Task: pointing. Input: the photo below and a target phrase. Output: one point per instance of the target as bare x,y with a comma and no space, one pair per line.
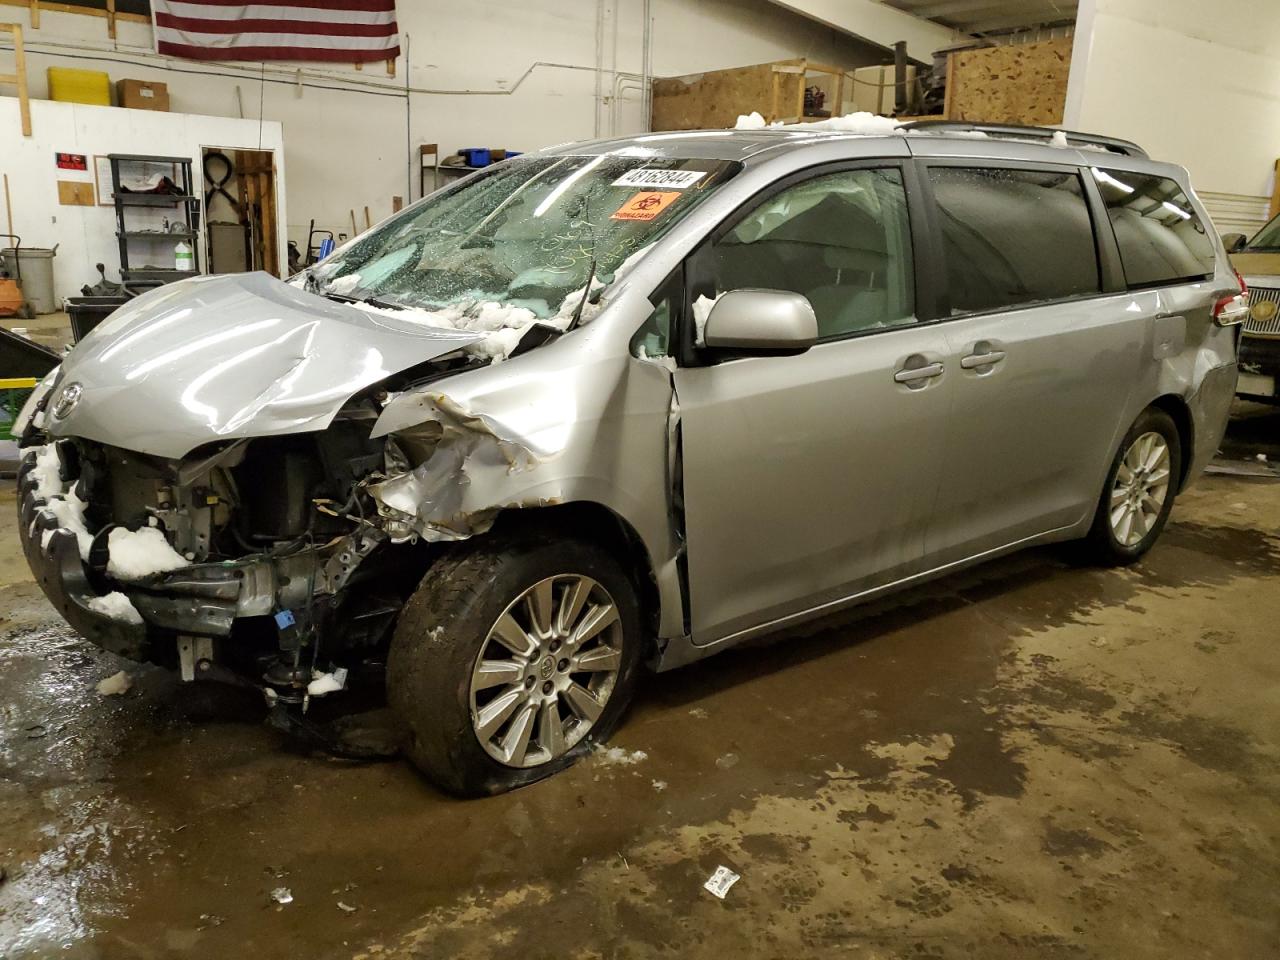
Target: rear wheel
511,660
1139,492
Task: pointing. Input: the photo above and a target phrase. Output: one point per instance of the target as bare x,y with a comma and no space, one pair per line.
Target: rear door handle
915,374
981,359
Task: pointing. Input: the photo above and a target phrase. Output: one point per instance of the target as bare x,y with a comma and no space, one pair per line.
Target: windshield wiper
586,292
371,301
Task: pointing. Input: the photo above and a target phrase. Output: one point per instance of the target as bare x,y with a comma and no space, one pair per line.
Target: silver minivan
628,403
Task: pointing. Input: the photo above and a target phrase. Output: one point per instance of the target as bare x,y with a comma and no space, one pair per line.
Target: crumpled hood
223,357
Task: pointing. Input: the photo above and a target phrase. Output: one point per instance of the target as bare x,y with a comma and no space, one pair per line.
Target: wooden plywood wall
717,98
1019,83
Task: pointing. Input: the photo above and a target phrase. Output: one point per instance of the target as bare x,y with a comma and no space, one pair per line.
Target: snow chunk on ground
115,685
134,554
750,121
617,757
116,606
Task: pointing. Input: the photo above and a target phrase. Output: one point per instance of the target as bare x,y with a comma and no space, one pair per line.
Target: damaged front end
246,481
250,558
195,482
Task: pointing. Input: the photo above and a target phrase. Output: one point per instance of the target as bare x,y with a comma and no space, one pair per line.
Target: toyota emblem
67,400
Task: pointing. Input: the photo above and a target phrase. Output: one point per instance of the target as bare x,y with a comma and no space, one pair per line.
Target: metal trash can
34,266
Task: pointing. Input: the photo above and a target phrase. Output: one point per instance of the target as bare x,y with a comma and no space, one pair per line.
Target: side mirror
761,321
1234,242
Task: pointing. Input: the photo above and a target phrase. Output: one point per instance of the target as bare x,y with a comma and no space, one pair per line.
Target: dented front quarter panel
577,420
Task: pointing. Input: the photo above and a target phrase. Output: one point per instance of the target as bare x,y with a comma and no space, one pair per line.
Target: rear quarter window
1161,237
1014,237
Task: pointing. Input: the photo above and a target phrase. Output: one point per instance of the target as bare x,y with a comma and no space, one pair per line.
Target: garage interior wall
489,73
86,235
1196,86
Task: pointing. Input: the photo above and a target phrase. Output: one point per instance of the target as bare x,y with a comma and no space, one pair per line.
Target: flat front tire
511,659
1139,493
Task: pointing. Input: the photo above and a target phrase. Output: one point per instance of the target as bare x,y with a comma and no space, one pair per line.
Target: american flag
346,31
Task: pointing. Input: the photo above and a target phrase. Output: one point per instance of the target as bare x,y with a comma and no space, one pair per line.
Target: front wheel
1139,492
511,659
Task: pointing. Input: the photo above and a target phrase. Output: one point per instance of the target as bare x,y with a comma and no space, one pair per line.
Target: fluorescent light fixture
1175,209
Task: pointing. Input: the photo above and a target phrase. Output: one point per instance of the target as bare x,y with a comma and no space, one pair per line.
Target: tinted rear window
1160,235
1014,237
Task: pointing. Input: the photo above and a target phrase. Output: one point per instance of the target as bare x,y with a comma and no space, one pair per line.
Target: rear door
810,477
1045,348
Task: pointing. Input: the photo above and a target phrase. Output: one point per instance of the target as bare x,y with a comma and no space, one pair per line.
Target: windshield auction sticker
654,177
646,205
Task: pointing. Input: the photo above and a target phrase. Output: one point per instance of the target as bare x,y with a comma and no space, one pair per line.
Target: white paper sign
654,177
720,881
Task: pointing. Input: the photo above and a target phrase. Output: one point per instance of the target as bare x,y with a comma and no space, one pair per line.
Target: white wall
86,235
1194,83
498,73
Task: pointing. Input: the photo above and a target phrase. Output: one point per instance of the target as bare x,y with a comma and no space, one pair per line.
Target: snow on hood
500,326
224,357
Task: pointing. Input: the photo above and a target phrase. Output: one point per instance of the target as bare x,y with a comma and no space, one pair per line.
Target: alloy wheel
1140,489
546,670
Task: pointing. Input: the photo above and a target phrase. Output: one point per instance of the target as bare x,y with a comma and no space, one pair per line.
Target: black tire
1101,545
440,634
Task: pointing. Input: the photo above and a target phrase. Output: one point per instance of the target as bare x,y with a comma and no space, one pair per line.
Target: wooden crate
1022,83
715,99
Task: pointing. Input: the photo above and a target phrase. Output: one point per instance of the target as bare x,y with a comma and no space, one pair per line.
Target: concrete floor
52,330
1031,760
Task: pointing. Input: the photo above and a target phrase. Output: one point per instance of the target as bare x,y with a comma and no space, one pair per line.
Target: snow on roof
860,123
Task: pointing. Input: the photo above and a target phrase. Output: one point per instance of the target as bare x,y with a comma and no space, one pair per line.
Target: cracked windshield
527,236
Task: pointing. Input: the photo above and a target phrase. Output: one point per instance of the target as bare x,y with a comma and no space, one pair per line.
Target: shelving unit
185,204
435,168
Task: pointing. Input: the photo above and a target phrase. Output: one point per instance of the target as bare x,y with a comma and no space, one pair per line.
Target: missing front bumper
200,600
56,565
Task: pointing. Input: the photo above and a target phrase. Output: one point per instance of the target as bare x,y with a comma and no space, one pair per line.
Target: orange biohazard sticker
646,205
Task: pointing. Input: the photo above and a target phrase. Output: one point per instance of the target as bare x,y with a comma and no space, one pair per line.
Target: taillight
1233,309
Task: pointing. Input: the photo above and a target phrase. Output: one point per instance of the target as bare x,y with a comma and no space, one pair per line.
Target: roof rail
1017,131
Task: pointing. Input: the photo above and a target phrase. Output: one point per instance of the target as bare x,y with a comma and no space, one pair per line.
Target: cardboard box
142,95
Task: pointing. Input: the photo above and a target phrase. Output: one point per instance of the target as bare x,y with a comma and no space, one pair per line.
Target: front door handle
981,359
915,374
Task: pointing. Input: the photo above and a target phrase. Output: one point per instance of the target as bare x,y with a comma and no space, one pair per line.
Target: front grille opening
1269,327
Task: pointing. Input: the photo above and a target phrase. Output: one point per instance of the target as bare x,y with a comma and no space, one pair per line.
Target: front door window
841,239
